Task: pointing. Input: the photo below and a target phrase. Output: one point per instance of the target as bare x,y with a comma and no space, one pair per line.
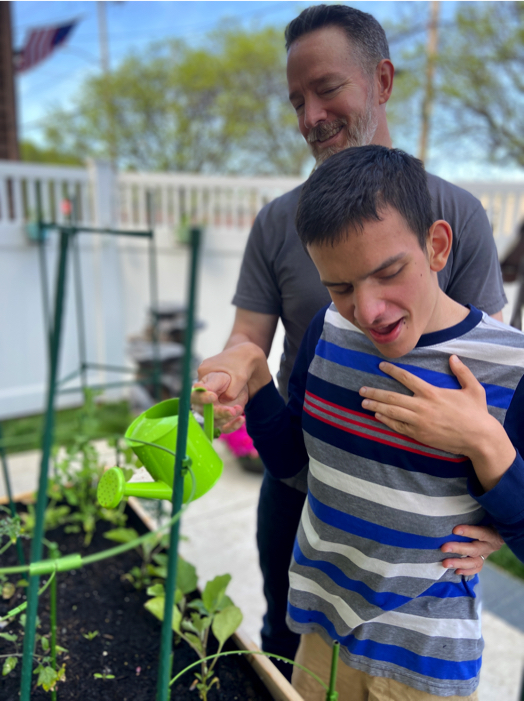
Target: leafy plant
150,552
11,527
193,620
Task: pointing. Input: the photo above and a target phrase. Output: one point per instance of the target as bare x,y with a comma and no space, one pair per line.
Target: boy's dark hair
354,186
362,30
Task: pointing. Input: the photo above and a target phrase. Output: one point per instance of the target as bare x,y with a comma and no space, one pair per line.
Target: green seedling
11,528
193,620
154,562
91,635
103,675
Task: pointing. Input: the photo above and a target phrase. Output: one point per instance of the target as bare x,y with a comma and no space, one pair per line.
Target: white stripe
432,571
487,352
335,319
411,502
455,628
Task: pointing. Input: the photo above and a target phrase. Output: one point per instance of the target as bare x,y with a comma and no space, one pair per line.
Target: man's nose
314,112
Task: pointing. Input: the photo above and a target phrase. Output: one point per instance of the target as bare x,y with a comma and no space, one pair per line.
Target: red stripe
384,442
365,416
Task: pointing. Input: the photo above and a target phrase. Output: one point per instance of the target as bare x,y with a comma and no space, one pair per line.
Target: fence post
109,347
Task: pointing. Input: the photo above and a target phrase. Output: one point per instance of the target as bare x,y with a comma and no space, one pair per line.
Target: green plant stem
251,652
22,607
54,553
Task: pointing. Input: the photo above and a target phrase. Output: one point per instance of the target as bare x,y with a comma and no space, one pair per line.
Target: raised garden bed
126,643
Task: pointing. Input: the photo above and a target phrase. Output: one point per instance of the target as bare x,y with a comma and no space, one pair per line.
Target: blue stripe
380,534
495,395
386,601
426,666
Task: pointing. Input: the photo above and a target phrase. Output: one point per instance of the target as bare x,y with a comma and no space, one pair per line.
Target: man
340,79
391,470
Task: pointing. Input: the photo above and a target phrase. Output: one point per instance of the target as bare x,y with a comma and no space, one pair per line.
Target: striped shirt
366,567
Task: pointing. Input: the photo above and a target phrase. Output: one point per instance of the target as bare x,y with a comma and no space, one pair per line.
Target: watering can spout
153,437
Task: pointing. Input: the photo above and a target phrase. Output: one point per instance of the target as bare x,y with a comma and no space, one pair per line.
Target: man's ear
384,80
440,238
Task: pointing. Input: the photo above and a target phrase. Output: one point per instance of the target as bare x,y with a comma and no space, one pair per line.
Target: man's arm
458,422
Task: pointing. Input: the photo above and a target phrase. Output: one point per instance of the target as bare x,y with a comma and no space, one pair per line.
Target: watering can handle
209,421
209,417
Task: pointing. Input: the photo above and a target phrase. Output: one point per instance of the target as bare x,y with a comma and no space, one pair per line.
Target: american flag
40,43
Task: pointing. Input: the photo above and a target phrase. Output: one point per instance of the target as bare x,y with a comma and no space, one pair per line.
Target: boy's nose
368,309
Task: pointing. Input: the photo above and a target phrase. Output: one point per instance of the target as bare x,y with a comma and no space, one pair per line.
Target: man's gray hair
363,31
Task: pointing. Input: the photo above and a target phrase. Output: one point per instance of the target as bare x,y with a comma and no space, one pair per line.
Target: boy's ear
440,238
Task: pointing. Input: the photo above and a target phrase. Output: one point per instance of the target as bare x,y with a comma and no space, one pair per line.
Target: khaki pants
352,684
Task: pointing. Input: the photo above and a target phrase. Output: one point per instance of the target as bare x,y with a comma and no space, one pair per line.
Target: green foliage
98,675
90,635
11,528
48,678
9,665
25,433
149,550
193,620
482,69
220,107
33,153
510,562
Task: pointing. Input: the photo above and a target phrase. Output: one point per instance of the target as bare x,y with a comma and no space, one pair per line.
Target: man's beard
360,131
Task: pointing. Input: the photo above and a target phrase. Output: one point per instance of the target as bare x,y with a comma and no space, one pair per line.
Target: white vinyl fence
115,270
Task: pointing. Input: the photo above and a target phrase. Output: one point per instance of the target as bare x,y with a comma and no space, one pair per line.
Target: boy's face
383,282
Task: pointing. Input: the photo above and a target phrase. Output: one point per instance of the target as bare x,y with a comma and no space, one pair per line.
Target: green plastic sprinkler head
153,437
113,487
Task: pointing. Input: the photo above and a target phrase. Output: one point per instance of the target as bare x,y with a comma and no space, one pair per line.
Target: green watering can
159,425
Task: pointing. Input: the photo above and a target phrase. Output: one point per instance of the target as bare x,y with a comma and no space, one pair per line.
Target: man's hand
487,541
455,421
230,379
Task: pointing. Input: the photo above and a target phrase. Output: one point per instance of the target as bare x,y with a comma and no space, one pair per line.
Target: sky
133,25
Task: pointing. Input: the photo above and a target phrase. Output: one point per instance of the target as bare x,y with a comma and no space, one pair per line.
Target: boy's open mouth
387,333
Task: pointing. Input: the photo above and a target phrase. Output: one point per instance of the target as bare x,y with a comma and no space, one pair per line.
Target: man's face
382,282
333,98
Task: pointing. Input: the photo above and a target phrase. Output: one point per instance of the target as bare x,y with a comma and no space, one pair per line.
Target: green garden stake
158,426
331,694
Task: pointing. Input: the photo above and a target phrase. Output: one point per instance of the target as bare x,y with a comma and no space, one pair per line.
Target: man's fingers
216,382
467,566
487,537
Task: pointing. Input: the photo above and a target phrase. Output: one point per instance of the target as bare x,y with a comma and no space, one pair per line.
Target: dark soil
128,641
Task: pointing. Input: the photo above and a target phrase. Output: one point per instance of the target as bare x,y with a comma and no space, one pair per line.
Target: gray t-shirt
278,277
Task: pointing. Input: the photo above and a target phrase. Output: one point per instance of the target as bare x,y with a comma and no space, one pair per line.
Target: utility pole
104,61
102,34
8,128
429,92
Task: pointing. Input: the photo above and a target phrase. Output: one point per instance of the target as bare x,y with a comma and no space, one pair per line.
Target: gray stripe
402,521
385,475
402,586
371,548
454,649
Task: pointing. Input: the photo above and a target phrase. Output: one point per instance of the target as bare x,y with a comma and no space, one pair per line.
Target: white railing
216,202
24,185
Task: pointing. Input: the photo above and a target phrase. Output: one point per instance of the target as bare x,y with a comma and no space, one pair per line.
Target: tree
221,107
482,77
33,153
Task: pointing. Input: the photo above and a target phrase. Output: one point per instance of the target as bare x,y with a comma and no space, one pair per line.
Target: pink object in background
239,443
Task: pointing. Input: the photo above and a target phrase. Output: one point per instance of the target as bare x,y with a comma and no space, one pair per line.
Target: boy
393,467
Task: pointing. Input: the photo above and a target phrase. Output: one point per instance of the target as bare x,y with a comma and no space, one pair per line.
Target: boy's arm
459,422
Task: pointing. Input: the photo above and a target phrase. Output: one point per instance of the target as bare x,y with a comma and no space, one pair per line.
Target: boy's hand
456,421
228,417
487,541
